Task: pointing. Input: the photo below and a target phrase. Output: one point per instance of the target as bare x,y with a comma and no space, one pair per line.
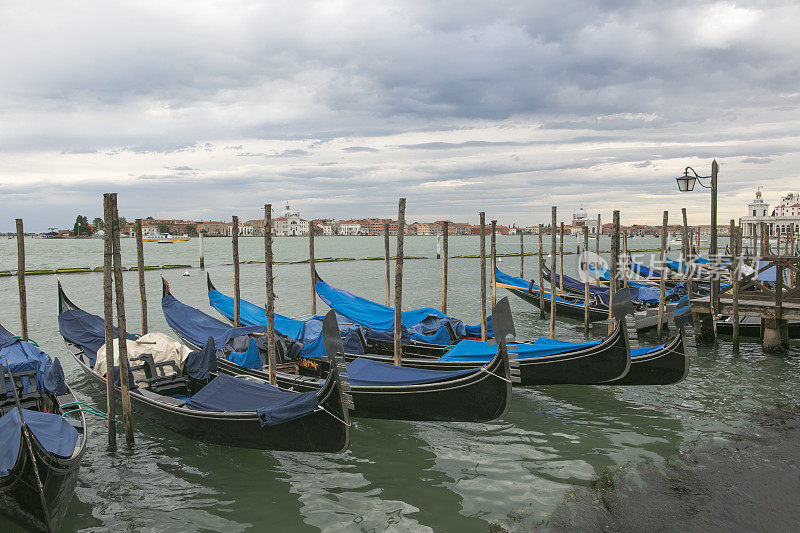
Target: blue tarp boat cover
253,315
55,434
644,271
425,324
469,350
522,284
251,358
368,373
196,326
20,356
200,364
274,406
645,351
85,330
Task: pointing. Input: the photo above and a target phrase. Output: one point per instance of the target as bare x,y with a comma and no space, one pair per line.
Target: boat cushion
369,373
274,406
162,347
54,433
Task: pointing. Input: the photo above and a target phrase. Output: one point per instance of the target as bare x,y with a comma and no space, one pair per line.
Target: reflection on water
396,476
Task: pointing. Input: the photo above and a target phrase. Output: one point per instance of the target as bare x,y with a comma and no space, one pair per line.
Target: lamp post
686,184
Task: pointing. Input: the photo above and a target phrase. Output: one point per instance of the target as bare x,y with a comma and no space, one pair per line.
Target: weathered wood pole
540,259
624,262
597,251
140,273
521,254
493,262
270,286
23,298
586,281
398,282
445,233
662,284
484,325
312,268
202,253
736,266
561,258
108,317
553,230
237,302
387,262
613,264
122,338
686,244
712,242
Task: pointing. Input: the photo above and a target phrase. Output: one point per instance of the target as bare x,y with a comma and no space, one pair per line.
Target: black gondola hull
664,367
315,432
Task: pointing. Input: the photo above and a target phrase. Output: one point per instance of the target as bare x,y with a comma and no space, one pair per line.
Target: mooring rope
83,408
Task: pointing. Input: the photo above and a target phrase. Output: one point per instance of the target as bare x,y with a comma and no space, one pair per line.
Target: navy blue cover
200,364
273,405
55,434
85,330
20,356
368,373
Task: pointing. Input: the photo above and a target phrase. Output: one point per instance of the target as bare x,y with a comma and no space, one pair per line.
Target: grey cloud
757,160
354,149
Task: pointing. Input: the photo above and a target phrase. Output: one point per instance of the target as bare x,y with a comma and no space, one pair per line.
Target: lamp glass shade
686,183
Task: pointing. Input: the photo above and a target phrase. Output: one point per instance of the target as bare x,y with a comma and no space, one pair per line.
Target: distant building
785,216
212,228
581,219
289,224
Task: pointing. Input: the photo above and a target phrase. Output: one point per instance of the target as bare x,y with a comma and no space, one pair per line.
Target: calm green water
396,476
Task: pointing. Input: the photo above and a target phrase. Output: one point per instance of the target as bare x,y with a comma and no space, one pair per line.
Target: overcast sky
209,109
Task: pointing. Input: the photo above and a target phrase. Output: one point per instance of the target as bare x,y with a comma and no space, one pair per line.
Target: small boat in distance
166,238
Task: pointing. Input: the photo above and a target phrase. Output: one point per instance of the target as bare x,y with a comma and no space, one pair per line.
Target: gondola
750,326
38,418
566,306
479,393
543,362
218,407
372,340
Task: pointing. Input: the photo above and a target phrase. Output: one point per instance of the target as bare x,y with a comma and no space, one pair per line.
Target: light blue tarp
645,351
367,373
55,434
506,279
253,315
470,350
424,324
20,356
248,359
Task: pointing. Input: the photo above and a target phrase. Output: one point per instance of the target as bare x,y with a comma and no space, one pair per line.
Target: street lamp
686,184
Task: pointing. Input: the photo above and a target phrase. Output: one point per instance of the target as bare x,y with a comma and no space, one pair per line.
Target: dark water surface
396,476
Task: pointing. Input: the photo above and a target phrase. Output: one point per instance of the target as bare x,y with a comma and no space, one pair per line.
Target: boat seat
28,400
156,378
363,338
451,331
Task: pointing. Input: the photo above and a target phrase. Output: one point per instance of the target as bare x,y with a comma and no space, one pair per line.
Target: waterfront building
348,227
289,224
779,220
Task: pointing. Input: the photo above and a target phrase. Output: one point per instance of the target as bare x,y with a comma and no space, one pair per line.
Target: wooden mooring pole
662,284
493,262
237,302
23,298
553,230
122,337
202,253
585,269
272,357
736,268
398,282
613,264
140,273
387,264
445,233
597,251
540,258
108,318
561,258
521,254
624,262
312,268
484,325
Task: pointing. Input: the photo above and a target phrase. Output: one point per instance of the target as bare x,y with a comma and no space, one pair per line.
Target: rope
320,408
483,369
83,408
29,340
